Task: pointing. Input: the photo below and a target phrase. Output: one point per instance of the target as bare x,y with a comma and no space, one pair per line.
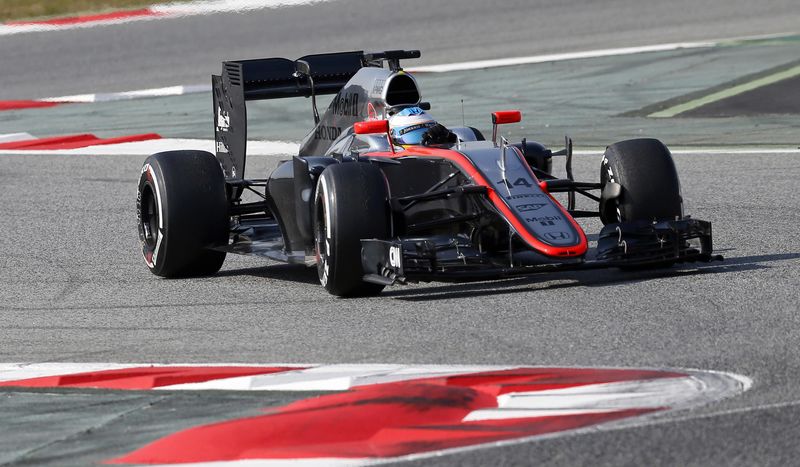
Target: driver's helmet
408,125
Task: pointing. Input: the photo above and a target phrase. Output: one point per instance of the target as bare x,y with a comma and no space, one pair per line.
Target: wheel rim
320,241
605,177
149,218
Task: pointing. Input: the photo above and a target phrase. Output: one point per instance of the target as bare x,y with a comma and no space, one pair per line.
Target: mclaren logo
529,207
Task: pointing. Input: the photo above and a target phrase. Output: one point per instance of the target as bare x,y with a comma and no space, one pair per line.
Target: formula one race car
370,212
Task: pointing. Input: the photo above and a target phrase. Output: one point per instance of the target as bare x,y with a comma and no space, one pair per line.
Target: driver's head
408,125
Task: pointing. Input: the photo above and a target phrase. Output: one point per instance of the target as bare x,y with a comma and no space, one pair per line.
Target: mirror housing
502,117
371,127
506,116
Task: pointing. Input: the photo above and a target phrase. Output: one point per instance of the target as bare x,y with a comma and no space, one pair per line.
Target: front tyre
351,205
646,173
181,210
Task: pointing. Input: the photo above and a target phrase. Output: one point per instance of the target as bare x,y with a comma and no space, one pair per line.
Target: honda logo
557,235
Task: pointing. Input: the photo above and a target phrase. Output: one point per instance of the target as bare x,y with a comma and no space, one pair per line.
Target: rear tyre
182,209
351,204
650,187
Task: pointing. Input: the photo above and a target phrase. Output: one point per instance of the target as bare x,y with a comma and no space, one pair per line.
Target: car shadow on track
593,278
285,272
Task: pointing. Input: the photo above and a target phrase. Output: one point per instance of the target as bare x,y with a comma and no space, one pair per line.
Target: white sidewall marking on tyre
159,234
139,218
325,266
322,187
327,207
607,165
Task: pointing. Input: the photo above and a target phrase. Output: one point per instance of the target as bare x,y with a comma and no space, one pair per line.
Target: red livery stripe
465,165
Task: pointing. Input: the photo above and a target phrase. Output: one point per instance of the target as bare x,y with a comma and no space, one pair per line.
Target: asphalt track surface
75,289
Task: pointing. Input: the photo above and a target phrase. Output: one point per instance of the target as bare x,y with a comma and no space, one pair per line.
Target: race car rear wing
276,78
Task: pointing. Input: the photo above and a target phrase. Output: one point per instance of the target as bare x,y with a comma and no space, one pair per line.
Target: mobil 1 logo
545,220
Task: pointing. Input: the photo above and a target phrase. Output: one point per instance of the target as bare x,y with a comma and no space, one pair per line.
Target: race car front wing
451,259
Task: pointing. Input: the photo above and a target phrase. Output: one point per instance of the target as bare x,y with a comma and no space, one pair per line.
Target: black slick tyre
182,209
646,173
350,205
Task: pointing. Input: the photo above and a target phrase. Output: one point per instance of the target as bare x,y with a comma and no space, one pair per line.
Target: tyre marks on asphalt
381,412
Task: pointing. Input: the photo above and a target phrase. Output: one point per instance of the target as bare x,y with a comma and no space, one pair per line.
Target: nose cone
538,219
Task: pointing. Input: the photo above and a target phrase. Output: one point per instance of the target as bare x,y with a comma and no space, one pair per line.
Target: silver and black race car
370,213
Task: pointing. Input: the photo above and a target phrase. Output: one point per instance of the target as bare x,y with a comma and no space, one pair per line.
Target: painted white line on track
225,6
558,57
500,62
144,148
11,137
246,5
127,95
9,30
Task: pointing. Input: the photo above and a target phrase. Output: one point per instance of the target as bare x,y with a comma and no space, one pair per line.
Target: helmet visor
412,134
